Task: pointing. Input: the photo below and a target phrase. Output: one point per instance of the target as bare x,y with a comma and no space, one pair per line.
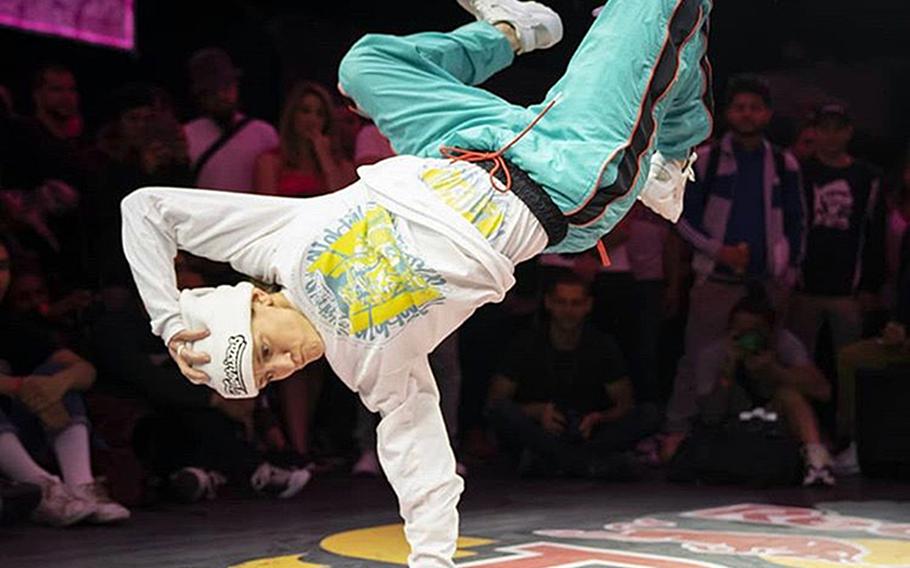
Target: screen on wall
101,22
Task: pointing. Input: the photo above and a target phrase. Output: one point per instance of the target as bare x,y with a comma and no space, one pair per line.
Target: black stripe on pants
682,27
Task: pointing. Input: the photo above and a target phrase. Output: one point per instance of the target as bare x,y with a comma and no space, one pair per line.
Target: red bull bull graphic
783,516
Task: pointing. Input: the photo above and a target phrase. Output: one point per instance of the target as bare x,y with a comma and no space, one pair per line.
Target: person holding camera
563,399
757,365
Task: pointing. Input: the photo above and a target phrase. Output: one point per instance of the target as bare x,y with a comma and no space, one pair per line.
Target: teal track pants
639,82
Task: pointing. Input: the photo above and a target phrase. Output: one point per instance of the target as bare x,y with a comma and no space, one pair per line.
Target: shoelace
689,167
456,154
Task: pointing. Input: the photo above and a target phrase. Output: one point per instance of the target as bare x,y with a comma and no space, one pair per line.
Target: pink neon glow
102,22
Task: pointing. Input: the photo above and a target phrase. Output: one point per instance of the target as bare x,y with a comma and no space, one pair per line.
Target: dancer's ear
262,298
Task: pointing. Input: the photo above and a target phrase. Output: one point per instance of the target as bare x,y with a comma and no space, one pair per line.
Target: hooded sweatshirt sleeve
241,229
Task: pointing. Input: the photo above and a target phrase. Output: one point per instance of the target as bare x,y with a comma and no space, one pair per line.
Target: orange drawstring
461,154
602,251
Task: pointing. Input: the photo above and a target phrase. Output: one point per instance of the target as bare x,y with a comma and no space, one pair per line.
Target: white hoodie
385,269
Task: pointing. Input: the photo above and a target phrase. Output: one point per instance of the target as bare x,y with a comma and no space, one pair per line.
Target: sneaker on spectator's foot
665,187
818,466
536,25
192,484
278,481
105,509
819,476
367,465
59,507
847,462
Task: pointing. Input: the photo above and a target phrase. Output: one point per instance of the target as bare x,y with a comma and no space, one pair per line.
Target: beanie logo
233,370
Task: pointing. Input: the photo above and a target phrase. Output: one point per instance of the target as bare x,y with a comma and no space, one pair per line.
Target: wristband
17,384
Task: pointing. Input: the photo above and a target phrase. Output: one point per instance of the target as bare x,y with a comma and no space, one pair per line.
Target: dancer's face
284,340
747,114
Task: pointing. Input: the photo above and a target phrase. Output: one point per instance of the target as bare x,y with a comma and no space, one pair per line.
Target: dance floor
506,523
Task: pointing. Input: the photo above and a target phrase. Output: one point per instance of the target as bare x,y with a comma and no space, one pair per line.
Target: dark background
811,50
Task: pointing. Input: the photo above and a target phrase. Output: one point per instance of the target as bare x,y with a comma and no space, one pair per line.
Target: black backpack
755,453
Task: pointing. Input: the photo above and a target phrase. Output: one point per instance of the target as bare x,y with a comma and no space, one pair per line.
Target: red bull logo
810,539
800,517
758,544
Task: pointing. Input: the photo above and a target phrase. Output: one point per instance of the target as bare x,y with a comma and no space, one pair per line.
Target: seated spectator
309,160
759,365
41,408
892,348
30,299
179,432
563,397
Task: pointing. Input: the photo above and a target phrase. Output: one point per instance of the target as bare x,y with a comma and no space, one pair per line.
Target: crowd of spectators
584,370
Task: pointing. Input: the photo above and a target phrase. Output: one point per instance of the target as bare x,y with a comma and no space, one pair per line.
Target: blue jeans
16,418
639,82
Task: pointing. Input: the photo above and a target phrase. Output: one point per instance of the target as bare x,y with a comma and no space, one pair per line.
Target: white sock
16,463
73,455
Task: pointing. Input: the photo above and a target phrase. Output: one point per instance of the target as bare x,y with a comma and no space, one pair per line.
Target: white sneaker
819,476
818,466
191,484
278,481
847,462
666,185
105,509
59,506
367,465
537,26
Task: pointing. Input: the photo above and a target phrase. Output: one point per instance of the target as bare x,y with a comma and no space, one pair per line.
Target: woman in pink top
309,161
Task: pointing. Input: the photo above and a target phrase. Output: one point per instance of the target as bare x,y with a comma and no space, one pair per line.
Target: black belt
552,220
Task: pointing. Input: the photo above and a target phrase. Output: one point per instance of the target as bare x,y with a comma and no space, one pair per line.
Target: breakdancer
374,276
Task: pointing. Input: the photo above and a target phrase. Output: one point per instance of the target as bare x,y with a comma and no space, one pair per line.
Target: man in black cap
843,267
223,143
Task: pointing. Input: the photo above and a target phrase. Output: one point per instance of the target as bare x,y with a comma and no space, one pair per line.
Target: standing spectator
898,220
142,145
806,141
843,269
744,216
54,142
41,408
223,143
655,267
756,365
310,160
563,396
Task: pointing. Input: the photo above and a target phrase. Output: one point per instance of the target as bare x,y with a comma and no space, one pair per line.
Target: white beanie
226,311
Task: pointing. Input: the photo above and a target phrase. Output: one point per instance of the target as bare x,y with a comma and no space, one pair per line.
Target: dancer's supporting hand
186,358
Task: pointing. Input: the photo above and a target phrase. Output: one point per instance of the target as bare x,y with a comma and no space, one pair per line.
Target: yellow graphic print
476,206
366,285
